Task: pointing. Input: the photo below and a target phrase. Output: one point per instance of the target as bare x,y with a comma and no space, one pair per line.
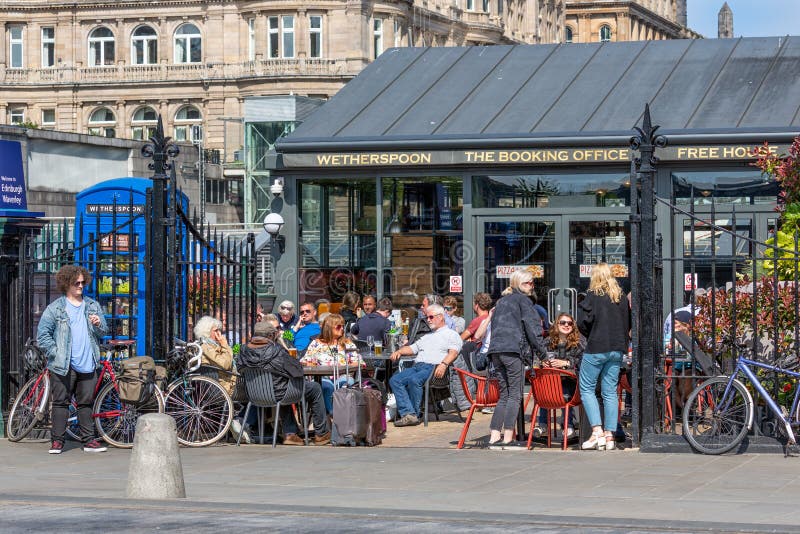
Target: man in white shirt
434,353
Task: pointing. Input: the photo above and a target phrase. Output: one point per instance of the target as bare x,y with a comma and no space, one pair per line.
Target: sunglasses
287,308
528,283
449,308
303,312
431,317
338,327
566,323
79,283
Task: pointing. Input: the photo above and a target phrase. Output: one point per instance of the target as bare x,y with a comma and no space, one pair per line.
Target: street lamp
272,225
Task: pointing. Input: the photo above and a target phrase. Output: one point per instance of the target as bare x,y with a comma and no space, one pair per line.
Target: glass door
559,250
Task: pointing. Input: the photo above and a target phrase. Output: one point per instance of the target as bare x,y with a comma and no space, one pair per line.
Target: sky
751,18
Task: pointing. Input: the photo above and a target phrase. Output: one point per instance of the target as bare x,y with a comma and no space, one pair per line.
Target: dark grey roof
529,91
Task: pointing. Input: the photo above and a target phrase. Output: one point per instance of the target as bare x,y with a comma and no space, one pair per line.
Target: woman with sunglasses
567,344
604,318
331,348
515,324
450,308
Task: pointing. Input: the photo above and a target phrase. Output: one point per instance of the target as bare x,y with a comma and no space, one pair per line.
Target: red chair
487,393
548,394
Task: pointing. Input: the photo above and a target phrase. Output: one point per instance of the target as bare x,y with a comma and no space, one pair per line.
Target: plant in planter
206,293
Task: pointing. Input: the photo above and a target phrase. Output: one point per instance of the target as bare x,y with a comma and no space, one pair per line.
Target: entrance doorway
559,250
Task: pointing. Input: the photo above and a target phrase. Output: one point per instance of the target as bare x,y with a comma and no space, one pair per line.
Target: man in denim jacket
69,334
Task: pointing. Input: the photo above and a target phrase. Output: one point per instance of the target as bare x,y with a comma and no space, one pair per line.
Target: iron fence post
161,150
644,325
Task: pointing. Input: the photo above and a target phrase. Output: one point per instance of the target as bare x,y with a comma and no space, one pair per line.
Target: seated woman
216,351
331,348
451,308
566,344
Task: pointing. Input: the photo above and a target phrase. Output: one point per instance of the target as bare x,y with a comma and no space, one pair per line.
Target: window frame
147,41
251,39
188,38
605,27
48,45
569,34
485,6
315,33
398,29
102,44
273,37
287,33
102,127
470,5
146,127
16,111
377,37
182,127
19,43
48,123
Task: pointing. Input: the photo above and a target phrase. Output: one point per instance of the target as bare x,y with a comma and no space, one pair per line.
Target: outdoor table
317,372
386,357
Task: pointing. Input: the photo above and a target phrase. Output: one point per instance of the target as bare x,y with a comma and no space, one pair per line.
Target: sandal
597,441
611,442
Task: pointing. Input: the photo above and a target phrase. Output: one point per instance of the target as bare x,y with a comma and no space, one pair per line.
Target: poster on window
505,271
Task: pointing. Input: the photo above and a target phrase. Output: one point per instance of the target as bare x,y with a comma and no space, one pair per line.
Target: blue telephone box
110,241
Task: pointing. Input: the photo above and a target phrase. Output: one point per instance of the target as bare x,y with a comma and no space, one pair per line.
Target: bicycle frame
743,366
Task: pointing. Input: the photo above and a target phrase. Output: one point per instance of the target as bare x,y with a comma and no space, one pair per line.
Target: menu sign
505,271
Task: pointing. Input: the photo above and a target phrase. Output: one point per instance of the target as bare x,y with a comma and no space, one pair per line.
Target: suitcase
350,416
376,422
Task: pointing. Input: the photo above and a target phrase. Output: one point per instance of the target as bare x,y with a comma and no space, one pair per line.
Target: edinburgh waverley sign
535,156
12,179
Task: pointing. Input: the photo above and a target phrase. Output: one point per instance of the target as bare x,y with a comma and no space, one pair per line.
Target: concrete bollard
155,470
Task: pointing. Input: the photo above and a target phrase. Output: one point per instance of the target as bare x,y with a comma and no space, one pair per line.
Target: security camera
277,187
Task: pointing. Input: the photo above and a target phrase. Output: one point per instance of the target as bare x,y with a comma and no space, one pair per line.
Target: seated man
306,327
373,323
264,351
434,353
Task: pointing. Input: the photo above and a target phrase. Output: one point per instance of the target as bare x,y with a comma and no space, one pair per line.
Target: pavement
415,482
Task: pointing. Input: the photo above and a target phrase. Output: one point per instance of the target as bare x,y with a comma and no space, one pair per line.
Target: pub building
471,162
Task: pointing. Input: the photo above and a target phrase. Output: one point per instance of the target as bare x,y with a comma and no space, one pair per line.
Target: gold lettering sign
521,156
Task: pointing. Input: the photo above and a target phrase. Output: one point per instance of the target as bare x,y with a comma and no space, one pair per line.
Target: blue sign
12,178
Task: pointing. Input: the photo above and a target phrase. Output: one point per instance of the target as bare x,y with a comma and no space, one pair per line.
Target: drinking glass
378,347
370,343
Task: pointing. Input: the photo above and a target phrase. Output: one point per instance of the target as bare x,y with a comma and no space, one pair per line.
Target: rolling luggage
358,416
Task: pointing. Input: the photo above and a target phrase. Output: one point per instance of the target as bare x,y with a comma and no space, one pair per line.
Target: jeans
510,371
407,387
314,400
602,367
328,388
63,387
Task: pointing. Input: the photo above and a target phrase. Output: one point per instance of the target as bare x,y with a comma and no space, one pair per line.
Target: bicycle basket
176,360
35,360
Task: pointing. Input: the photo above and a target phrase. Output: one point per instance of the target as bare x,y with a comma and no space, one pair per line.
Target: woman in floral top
331,348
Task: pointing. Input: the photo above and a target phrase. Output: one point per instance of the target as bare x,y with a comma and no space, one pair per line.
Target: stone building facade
109,68
590,21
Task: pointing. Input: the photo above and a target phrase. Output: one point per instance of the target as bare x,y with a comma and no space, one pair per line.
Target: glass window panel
592,242
522,245
48,116
729,186
48,47
288,36
315,36
556,190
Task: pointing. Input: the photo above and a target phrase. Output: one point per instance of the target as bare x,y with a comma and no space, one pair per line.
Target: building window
144,123
377,37
605,33
216,191
16,115
15,42
287,31
567,34
315,35
274,38
485,6
188,44
144,46
101,47
251,39
48,47
102,122
188,124
49,117
470,5
499,7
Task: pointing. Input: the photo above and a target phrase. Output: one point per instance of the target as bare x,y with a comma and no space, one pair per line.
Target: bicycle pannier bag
137,381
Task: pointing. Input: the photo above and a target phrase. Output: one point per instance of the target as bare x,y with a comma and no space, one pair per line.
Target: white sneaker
236,430
487,410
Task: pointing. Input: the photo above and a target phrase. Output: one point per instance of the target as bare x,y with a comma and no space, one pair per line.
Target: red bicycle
114,419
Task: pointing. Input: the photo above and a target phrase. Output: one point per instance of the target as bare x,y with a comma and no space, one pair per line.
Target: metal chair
487,393
437,384
548,394
260,387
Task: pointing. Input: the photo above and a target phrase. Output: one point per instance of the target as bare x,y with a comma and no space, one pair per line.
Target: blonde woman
604,319
514,323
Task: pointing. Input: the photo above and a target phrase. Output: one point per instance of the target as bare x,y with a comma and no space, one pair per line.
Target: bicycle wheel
29,407
73,428
116,420
202,410
715,423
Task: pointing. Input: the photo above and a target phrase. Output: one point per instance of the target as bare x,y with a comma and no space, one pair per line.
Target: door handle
551,304
572,294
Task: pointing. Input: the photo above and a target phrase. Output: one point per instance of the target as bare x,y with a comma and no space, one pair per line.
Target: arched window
605,33
567,34
101,47
102,122
144,46
188,44
144,123
188,124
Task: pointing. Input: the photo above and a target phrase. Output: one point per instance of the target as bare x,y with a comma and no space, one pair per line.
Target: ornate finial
646,142
161,149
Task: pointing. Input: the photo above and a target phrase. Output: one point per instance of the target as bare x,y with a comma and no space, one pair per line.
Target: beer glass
378,347
293,352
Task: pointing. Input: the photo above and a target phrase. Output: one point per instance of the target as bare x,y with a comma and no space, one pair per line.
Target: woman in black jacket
604,318
515,324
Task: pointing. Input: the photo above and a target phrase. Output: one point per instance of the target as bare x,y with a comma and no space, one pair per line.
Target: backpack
136,382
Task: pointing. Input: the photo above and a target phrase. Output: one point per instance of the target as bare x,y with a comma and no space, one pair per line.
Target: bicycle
719,412
114,419
202,409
